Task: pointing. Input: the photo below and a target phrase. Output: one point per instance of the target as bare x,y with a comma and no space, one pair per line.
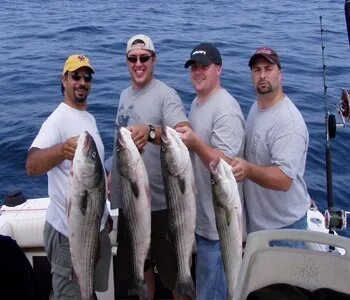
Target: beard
264,90
80,99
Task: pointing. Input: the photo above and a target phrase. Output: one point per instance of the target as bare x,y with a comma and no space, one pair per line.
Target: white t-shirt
64,122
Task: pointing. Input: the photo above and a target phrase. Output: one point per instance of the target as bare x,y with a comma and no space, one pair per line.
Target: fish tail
185,288
139,288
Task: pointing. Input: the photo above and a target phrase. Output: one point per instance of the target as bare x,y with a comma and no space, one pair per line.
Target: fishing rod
347,17
335,219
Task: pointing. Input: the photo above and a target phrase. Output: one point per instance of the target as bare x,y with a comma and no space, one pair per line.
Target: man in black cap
276,147
218,131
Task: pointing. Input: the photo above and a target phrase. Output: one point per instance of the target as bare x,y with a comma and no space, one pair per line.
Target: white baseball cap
146,44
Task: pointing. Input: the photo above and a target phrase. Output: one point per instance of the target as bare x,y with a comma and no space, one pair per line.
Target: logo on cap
264,50
75,62
268,53
199,52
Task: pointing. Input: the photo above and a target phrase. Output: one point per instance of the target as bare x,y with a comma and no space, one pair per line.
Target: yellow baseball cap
76,61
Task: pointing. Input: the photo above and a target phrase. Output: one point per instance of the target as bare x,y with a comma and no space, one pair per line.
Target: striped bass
136,203
85,207
228,217
180,195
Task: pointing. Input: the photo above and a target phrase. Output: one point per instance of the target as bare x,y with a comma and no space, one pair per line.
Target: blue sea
37,36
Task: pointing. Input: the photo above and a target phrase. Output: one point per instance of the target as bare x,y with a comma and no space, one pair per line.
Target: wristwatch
152,133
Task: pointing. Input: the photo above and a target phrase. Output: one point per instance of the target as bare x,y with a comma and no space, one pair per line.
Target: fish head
174,151
220,169
128,154
87,165
222,178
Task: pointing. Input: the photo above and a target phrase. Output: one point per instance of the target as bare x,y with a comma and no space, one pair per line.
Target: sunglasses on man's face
143,58
77,76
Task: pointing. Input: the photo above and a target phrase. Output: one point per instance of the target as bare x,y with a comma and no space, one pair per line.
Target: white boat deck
25,224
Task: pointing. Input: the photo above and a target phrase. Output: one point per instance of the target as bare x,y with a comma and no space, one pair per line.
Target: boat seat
264,265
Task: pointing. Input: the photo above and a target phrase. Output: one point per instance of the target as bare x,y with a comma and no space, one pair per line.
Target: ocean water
37,36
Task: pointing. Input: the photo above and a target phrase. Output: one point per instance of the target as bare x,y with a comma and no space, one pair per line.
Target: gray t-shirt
276,136
220,124
155,104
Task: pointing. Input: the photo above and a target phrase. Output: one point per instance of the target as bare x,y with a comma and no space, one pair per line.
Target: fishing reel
344,112
335,219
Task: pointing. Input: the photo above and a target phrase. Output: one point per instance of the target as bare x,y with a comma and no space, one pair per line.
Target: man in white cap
276,148
52,152
144,108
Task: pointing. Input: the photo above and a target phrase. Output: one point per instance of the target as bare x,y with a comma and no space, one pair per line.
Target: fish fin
83,204
68,206
182,184
139,288
135,189
169,237
74,275
185,288
228,216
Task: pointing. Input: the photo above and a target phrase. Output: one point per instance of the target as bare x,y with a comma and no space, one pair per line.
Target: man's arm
140,133
197,145
40,161
270,177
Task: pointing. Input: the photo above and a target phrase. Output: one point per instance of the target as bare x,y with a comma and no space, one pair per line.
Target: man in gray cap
276,147
221,135
144,108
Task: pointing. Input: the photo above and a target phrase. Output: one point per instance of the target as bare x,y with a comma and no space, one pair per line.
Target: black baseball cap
204,54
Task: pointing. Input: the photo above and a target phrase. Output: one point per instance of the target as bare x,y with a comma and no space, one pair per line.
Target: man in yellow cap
52,152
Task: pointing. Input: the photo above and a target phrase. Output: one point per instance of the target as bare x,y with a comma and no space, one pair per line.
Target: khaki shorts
162,253
58,253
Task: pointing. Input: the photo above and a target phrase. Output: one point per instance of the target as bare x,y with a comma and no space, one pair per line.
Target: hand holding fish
188,136
69,147
139,134
240,168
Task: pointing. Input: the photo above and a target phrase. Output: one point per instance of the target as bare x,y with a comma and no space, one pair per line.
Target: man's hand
240,168
69,147
139,134
188,136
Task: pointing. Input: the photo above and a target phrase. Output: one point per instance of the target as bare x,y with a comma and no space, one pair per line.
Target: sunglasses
77,76
142,58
